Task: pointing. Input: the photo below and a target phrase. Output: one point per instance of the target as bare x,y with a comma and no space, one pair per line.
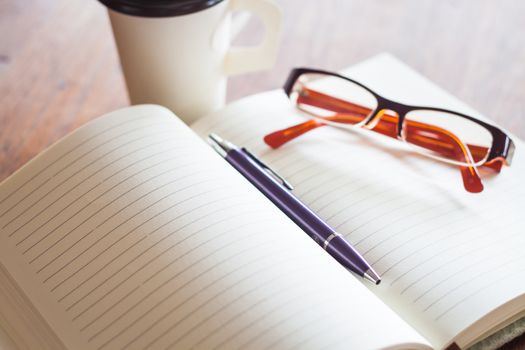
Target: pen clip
269,170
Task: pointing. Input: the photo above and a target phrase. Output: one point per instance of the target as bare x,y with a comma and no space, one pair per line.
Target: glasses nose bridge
389,116
384,106
374,118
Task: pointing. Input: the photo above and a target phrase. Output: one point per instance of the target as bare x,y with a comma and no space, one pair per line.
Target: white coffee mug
177,54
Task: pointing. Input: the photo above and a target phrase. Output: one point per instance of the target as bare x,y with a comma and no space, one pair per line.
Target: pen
278,190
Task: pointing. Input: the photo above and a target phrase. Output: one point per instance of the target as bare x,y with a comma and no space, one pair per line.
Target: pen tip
215,137
372,276
220,145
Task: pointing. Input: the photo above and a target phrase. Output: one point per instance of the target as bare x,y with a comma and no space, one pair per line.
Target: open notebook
131,233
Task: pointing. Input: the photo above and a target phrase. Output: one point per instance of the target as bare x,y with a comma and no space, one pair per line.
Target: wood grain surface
59,67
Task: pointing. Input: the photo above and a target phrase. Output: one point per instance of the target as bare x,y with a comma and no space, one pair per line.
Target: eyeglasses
448,136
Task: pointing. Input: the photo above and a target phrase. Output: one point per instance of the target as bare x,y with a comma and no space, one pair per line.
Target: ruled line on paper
178,258
333,184
68,165
466,243
64,236
164,251
366,209
479,290
286,158
420,223
127,233
171,263
224,323
151,260
167,249
442,281
301,171
94,174
429,245
53,189
67,153
403,218
113,229
346,185
283,303
301,324
195,277
321,330
67,179
107,310
93,289
215,296
81,196
78,241
116,227
376,207
469,279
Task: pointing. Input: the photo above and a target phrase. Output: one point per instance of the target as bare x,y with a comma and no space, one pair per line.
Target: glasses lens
334,100
447,136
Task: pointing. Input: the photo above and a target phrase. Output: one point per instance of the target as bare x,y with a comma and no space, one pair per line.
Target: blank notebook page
132,233
447,257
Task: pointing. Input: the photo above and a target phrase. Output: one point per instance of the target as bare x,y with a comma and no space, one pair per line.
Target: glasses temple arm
446,143
470,175
278,138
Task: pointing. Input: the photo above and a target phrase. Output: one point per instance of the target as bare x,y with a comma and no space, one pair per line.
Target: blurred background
58,60
475,49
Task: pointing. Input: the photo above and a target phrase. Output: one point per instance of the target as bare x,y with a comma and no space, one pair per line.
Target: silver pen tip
372,276
219,144
216,138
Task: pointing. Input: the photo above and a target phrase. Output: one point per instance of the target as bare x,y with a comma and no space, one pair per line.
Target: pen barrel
346,255
298,212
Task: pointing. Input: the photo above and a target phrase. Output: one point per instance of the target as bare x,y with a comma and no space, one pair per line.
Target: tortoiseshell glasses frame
421,126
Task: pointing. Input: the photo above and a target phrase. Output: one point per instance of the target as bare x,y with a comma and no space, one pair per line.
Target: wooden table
59,67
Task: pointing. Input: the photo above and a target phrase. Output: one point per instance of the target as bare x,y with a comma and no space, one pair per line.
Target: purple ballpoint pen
278,190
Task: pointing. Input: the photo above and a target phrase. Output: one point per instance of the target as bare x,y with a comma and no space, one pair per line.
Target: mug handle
246,59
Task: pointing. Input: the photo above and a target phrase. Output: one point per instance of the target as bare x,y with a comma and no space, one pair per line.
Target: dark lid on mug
158,8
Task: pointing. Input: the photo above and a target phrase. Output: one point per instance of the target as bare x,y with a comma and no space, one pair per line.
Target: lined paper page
447,257
133,234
